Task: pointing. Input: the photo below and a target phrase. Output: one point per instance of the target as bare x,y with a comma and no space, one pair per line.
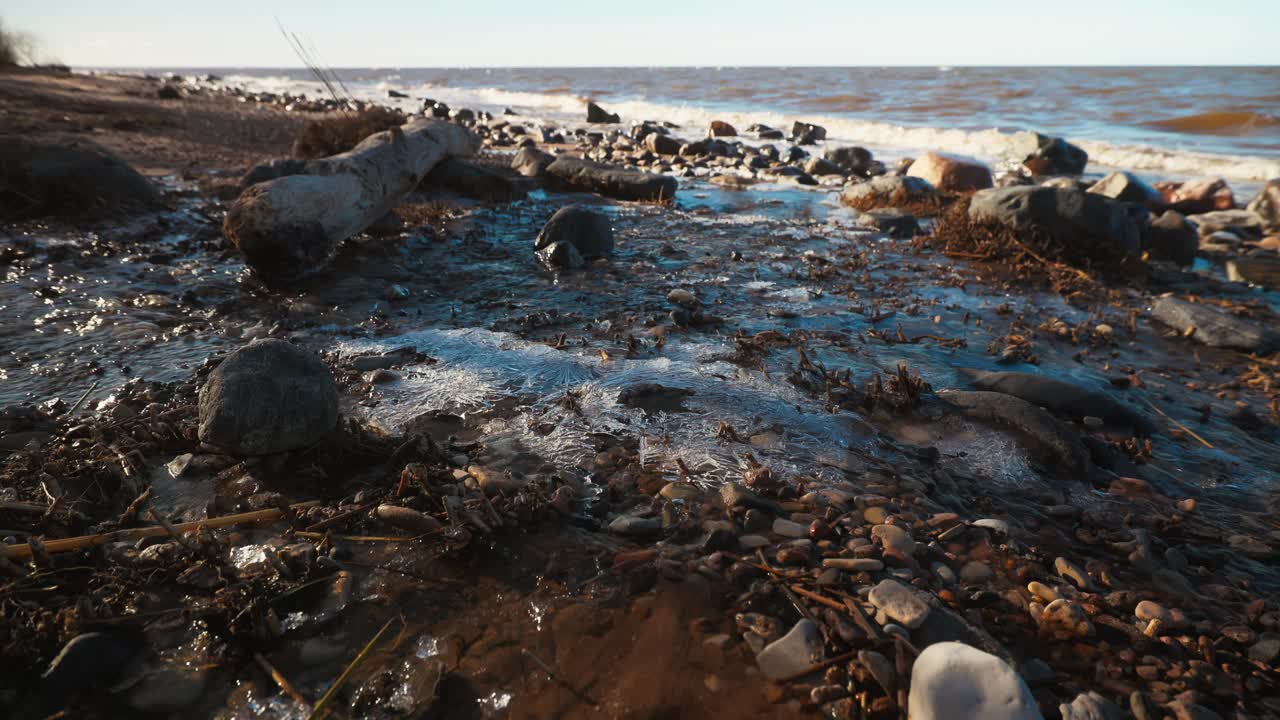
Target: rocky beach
323,407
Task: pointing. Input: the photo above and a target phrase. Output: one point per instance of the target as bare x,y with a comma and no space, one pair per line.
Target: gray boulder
1213,327
586,230
1083,225
894,223
1127,187
76,178
612,181
662,144
268,397
1172,237
1244,224
1052,442
822,166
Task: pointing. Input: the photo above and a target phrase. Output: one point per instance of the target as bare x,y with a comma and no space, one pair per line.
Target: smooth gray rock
612,181
899,603
476,181
1127,187
268,397
1053,442
531,162
1091,706
1213,327
561,255
951,680
793,653
587,230
1266,204
892,222
1084,225
1062,397
853,159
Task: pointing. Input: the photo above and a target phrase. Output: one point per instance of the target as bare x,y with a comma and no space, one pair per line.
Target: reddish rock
1130,487
1197,196
720,128
951,173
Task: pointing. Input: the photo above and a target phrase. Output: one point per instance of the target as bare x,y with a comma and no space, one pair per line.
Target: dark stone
435,109
560,255
169,92
587,230
1127,187
853,159
612,181
271,170
823,166
807,133
396,94
531,162
90,659
1064,398
476,181
597,114
1084,225
662,144
268,397
1213,327
75,178
894,223
1172,237
887,190
1055,156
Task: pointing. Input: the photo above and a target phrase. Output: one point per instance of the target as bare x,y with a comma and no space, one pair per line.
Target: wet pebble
899,603
407,519
854,564
795,652
1068,570
168,690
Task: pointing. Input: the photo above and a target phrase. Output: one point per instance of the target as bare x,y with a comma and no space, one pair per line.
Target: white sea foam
885,139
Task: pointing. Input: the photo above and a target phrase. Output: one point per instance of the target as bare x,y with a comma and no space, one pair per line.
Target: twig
84,397
131,513
22,551
551,674
282,681
318,710
168,526
1181,427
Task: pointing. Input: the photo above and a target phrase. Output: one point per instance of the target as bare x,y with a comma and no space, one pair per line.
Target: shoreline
672,459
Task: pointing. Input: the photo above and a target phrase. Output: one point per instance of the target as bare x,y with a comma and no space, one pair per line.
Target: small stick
1181,427
318,710
282,681
131,513
362,538
819,666
84,397
21,551
551,674
168,526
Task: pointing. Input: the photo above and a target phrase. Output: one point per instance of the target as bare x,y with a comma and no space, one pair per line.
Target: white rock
952,681
793,653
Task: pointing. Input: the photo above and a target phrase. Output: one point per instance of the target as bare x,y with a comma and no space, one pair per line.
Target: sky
543,33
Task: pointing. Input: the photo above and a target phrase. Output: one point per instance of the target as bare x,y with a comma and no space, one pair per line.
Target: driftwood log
292,225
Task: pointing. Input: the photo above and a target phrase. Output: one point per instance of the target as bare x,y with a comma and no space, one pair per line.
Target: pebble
1267,649
894,538
680,296
880,668
1147,611
632,525
999,526
680,491
787,528
494,482
1042,591
1067,617
1069,571
944,573
875,515
854,564
407,519
900,603
793,653
751,542
975,572
1090,706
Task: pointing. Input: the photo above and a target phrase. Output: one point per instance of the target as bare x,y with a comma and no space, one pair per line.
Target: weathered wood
292,225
